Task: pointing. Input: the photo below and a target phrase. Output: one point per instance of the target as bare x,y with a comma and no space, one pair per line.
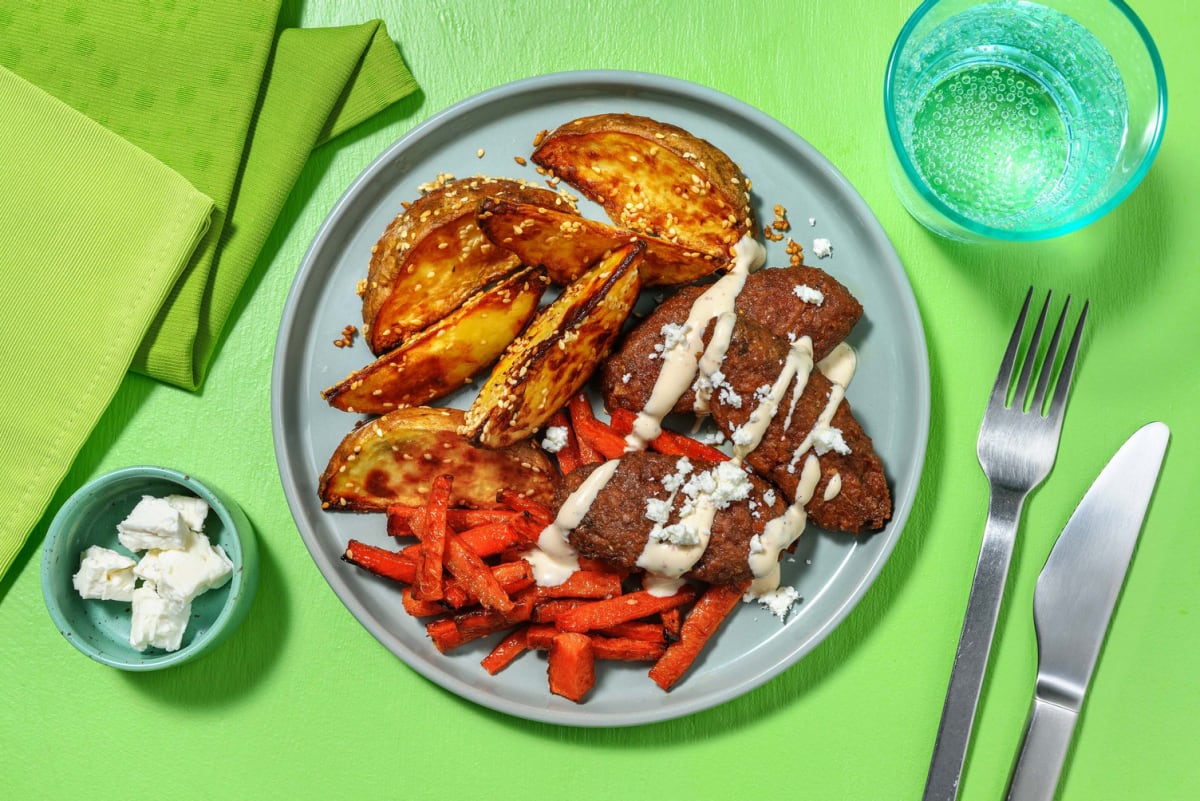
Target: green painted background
303,703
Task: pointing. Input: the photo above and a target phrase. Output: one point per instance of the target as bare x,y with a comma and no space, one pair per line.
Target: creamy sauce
670,560
796,367
554,560
840,365
834,487
781,532
680,363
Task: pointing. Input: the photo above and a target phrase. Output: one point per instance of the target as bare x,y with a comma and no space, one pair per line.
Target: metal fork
1018,442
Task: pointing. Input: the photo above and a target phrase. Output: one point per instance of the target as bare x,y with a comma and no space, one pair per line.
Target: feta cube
157,621
153,524
182,574
104,574
193,510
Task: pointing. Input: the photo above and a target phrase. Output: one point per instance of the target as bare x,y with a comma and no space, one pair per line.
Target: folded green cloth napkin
147,151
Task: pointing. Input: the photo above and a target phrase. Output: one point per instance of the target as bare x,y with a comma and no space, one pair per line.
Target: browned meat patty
754,359
628,375
616,528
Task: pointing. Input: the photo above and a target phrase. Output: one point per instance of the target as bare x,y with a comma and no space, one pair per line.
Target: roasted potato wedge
433,256
567,244
653,178
444,356
553,359
394,459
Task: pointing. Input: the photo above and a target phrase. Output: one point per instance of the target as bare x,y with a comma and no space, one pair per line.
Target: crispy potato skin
443,357
433,256
551,361
394,459
653,178
567,244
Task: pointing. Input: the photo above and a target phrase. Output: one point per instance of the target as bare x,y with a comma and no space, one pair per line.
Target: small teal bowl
100,629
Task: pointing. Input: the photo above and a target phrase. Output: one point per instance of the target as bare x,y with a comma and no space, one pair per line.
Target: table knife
1073,602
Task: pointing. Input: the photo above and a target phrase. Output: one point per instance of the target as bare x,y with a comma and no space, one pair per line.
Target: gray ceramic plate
890,393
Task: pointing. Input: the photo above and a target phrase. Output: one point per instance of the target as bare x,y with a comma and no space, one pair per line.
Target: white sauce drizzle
680,363
554,560
834,487
799,362
781,532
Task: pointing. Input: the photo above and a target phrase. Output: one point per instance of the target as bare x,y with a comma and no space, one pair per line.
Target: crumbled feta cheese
153,523
193,510
157,621
675,335
778,601
809,294
812,221
105,575
675,480
658,510
677,533
828,438
625,378
729,397
769,497
181,575
823,248
555,439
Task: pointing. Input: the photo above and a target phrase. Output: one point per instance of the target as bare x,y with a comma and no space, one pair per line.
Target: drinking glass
1020,120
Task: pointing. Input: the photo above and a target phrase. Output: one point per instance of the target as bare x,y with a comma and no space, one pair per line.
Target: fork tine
999,395
1022,390
1039,394
1059,401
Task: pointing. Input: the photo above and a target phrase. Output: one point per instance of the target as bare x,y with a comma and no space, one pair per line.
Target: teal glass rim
989,232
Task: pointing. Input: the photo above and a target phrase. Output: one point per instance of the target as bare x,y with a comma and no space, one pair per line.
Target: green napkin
147,151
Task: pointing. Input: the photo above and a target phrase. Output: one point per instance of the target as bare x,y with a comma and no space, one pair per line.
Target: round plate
890,393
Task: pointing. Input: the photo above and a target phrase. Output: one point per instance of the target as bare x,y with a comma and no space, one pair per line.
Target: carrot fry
568,454
506,651
672,622
585,584
419,608
430,527
701,623
643,631
519,503
474,575
512,577
486,540
548,611
669,442
540,635
592,433
621,609
572,666
624,649
451,632
400,517
381,561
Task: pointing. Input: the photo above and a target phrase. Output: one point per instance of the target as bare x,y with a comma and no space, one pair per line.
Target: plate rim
637,82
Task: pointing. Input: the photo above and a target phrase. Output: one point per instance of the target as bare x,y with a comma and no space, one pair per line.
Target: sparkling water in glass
1020,120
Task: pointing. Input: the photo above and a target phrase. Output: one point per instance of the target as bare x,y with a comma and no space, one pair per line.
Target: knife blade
1073,602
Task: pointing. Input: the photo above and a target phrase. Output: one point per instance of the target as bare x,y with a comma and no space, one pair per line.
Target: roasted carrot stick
698,627
572,666
591,432
669,442
585,584
508,649
474,575
519,503
625,649
621,609
512,577
568,454
399,518
381,561
431,528
419,608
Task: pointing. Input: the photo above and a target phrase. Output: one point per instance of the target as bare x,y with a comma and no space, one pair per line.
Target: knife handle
1040,761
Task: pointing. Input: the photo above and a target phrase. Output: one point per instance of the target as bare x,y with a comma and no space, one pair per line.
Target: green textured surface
303,703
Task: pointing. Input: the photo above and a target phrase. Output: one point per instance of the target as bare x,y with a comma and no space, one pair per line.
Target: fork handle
974,645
